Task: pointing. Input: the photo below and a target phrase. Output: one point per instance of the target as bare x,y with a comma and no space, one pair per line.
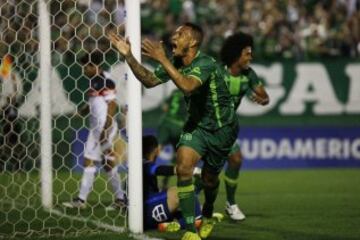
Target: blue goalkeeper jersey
150,172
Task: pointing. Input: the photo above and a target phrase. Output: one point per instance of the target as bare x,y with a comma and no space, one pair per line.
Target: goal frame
134,118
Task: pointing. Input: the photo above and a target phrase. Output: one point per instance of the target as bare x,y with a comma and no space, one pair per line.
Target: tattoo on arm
144,75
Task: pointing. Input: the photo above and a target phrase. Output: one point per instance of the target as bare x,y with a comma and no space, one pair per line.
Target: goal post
134,122
45,105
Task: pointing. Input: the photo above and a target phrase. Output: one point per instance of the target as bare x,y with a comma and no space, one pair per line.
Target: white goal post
134,122
45,108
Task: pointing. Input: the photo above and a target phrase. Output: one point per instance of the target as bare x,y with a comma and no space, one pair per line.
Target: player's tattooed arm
141,73
146,77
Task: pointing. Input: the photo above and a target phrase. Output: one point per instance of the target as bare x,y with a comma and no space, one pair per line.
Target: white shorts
98,111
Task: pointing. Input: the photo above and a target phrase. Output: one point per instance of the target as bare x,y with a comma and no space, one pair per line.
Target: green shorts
213,146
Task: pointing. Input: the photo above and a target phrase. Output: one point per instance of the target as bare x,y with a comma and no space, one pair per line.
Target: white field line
82,219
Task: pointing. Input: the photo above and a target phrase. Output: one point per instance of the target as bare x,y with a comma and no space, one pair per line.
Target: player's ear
193,43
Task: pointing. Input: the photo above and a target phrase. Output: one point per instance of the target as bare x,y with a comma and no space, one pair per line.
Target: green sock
210,196
186,196
230,178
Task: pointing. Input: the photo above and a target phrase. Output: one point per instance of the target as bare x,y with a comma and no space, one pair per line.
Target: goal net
76,31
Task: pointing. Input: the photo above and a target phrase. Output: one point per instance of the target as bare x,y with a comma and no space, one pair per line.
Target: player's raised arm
146,77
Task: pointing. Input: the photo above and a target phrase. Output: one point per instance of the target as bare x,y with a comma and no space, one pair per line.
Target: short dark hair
96,57
150,143
197,32
233,46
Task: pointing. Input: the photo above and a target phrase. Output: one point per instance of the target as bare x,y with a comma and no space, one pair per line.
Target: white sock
115,180
87,181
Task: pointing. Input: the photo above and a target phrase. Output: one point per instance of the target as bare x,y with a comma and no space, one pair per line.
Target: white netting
78,29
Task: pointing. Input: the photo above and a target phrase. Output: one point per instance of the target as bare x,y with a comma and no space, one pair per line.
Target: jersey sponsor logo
187,136
158,213
196,70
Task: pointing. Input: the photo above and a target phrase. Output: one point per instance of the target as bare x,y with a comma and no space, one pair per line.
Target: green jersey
210,106
176,108
241,85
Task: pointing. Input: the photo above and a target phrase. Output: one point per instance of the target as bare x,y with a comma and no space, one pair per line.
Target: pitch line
102,225
82,219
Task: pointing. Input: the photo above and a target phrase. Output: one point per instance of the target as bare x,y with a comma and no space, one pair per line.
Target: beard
185,50
177,62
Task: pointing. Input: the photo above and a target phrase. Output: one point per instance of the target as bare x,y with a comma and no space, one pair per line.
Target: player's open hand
121,44
154,50
259,99
255,98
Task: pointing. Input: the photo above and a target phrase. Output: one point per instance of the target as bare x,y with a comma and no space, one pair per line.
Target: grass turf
279,204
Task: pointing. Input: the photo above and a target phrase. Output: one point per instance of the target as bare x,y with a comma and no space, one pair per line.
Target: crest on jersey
159,214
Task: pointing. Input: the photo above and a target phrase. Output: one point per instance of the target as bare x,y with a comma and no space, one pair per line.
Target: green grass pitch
321,204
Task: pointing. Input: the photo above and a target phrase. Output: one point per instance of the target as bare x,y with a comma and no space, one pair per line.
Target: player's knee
186,159
235,160
184,170
210,181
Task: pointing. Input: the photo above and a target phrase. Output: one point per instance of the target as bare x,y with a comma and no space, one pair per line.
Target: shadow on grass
232,230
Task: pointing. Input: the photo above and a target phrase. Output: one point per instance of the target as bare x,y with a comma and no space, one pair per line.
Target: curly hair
233,46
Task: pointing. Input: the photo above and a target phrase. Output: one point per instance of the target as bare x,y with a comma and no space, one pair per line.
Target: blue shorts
156,210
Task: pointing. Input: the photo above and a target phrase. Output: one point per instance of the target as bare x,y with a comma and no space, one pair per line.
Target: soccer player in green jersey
236,54
211,127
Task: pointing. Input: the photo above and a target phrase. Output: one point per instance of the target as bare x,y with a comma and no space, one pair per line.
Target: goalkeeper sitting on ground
161,208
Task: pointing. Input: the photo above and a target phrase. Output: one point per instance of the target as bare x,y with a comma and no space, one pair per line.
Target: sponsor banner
277,147
284,147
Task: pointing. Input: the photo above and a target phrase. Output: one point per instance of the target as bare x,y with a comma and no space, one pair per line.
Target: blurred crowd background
290,29
282,29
